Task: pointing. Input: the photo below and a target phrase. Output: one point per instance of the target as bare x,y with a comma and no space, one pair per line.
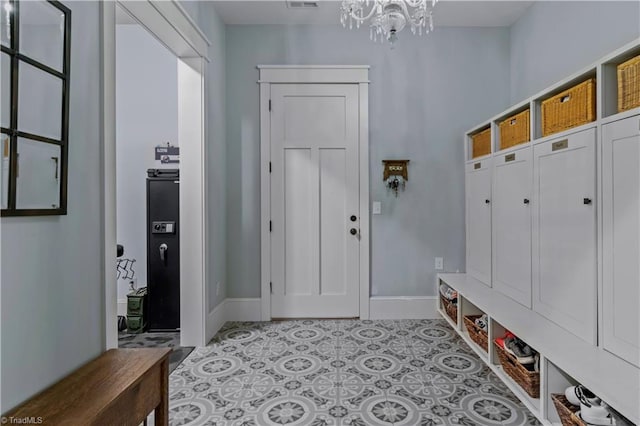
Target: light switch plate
377,207
439,264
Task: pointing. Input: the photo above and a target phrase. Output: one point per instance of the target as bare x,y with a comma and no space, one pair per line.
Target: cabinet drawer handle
487,201
526,201
586,201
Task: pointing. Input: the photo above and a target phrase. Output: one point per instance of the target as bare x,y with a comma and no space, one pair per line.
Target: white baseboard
413,307
215,320
243,309
122,307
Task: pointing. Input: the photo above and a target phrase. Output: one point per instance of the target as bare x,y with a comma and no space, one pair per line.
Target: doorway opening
147,190
153,127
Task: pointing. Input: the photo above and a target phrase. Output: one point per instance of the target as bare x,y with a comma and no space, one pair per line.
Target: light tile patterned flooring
340,372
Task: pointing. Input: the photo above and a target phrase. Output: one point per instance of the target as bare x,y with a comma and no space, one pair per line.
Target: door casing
283,74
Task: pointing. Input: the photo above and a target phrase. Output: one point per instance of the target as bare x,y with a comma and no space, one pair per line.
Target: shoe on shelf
520,350
596,415
575,394
482,322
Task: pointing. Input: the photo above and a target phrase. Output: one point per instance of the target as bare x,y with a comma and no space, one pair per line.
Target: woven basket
481,143
629,84
450,309
528,380
515,130
573,107
567,411
478,335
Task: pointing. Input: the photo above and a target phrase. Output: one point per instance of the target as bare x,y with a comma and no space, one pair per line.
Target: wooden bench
120,387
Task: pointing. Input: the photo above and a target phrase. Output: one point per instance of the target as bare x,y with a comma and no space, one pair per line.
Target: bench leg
162,410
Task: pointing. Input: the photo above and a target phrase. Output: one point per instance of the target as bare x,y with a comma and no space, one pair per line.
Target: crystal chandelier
389,17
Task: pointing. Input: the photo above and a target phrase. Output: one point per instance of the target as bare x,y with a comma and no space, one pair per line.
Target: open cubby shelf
605,73
553,379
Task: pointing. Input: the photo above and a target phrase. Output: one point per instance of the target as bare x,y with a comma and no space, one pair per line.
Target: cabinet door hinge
269,166
269,104
270,226
271,287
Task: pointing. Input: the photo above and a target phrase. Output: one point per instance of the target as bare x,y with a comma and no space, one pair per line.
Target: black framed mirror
34,114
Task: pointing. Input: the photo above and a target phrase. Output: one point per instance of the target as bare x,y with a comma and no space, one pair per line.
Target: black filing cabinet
163,249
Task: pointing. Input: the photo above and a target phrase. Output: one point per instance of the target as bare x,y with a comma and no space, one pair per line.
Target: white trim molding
215,320
313,74
243,309
412,307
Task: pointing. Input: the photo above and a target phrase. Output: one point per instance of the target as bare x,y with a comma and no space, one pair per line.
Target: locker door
478,194
564,233
621,238
512,181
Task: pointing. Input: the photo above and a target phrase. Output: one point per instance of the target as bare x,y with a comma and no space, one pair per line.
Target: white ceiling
447,13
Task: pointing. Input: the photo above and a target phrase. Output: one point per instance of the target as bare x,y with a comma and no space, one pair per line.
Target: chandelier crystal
388,17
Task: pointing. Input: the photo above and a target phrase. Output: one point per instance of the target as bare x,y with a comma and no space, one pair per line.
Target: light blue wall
206,17
423,95
554,39
215,84
52,293
146,116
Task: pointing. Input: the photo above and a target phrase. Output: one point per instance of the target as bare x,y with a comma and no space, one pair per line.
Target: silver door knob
163,251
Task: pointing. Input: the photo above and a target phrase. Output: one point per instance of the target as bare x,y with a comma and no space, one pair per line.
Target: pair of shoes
519,349
592,409
482,322
448,292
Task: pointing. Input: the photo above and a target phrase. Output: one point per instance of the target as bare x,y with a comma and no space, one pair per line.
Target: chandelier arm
364,18
416,3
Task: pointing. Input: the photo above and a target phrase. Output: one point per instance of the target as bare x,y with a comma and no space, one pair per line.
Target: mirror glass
42,33
39,102
38,180
5,90
4,170
5,28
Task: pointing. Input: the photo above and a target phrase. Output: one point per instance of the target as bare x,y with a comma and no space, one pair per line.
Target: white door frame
172,26
346,74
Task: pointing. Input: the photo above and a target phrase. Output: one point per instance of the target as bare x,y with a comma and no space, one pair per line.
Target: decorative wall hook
396,174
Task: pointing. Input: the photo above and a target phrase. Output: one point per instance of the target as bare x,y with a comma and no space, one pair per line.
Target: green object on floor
136,318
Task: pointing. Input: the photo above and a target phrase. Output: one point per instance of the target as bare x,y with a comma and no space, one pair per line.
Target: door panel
621,238
565,233
299,212
512,180
478,188
314,192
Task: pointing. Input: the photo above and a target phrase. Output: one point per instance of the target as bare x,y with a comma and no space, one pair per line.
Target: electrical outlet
439,264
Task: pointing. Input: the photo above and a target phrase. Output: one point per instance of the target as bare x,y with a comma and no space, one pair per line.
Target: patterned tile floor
340,372
157,340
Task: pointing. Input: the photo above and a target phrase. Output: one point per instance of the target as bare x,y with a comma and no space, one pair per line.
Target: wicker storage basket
515,130
573,107
528,380
481,143
629,84
478,335
567,411
450,309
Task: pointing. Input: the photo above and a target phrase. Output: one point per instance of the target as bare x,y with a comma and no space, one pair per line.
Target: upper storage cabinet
564,230
478,196
511,211
621,82
621,238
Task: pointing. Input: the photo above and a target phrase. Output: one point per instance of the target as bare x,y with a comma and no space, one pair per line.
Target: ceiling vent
293,4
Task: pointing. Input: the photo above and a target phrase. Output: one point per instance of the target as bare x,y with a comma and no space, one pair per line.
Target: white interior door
564,231
511,215
314,200
621,238
478,177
